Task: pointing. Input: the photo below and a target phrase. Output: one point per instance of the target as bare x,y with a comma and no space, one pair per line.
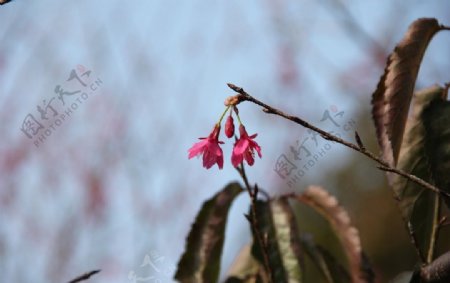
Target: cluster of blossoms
244,147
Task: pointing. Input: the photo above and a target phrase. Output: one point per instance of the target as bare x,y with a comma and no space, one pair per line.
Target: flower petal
197,148
249,158
215,149
220,161
241,146
208,159
256,146
236,159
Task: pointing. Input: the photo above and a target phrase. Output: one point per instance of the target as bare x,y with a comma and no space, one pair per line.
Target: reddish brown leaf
327,205
394,91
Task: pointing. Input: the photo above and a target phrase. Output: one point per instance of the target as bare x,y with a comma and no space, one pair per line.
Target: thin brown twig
244,96
435,229
443,223
241,171
3,2
253,193
85,276
412,235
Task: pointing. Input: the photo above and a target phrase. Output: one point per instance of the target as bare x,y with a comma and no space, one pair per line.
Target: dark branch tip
359,141
235,88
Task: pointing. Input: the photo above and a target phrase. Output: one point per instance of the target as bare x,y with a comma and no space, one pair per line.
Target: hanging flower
245,148
229,127
209,147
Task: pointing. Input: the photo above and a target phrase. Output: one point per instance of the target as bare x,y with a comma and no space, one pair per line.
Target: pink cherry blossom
209,147
245,148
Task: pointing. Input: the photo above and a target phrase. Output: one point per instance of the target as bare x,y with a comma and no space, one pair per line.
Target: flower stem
253,218
239,118
223,114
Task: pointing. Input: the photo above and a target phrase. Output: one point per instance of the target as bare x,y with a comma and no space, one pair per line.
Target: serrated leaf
327,205
425,153
327,264
246,269
277,227
201,259
437,126
395,89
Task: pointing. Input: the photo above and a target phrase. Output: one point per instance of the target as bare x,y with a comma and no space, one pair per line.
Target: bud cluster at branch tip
244,147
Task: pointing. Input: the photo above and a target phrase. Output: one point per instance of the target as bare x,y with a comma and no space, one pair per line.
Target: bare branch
359,141
3,2
85,276
244,96
253,219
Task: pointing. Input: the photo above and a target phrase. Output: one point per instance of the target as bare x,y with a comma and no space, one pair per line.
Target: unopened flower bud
229,127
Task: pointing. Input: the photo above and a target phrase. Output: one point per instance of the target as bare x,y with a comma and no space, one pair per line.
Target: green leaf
327,264
277,227
425,153
395,89
201,259
437,124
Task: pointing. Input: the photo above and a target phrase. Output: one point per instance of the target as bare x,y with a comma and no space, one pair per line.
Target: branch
254,220
3,2
244,96
444,222
85,276
435,228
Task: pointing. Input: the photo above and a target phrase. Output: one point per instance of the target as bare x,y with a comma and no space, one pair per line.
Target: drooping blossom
245,148
210,148
229,127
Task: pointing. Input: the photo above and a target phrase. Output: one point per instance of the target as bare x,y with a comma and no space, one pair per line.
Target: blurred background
100,101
